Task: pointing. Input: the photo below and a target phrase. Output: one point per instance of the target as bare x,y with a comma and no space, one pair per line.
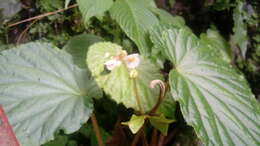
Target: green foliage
50,5
240,37
90,8
42,92
136,20
214,39
160,123
60,140
78,47
167,18
118,83
219,4
135,123
214,98
46,92
87,131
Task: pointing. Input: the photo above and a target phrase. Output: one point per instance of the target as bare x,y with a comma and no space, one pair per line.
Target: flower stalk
138,99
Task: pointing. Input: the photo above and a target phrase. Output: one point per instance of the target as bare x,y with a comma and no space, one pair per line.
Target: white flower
113,63
132,61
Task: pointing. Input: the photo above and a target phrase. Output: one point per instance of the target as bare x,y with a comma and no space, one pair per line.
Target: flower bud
133,73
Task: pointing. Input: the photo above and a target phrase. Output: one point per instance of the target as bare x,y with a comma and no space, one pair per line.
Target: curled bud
153,83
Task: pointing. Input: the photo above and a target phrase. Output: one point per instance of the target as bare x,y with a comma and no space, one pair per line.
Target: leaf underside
214,98
42,92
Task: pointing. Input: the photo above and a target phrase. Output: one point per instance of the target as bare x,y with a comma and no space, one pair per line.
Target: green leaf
215,40
50,5
161,123
240,28
90,8
42,92
214,98
78,47
219,5
167,18
136,20
118,83
60,140
135,123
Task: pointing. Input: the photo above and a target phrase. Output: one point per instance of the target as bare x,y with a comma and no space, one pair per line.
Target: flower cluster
131,61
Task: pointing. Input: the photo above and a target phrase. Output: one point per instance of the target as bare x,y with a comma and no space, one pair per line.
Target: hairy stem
96,129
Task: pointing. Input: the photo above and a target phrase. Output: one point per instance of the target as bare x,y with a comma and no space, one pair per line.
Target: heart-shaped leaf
42,91
118,83
214,98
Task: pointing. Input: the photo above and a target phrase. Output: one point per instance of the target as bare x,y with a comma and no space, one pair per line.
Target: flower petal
111,64
132,61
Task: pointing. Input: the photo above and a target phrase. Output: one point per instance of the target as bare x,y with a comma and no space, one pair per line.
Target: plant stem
154,137
43,15
145,143
170,136
161,140
96,129
25,30
138,99
137,137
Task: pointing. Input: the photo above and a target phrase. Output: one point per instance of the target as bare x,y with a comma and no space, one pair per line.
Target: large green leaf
215,40
42,91
78,47
214,98
136,20
118,83
90,8
168,18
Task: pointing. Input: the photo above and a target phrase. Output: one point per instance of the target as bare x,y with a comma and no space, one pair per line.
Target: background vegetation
233,24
